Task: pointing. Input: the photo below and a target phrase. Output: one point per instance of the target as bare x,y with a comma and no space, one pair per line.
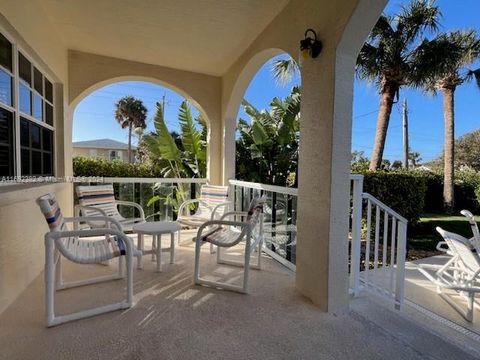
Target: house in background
106,149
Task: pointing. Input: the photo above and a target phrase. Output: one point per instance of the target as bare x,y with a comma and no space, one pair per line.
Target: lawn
424,237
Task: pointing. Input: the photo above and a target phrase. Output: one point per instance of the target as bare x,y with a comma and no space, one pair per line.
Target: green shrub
83,166
403,192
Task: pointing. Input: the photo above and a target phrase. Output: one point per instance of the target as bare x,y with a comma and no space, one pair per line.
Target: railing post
356,235
400,270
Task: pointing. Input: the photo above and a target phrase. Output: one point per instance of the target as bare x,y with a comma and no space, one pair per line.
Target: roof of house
102,144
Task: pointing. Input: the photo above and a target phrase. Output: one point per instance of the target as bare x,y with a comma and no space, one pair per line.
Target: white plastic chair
461,273
227,233
212,204
99,200
475,240
60,241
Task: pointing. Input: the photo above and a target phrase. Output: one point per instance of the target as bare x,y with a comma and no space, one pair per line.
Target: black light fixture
310,47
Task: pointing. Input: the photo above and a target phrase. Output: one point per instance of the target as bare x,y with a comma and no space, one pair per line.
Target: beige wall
21,224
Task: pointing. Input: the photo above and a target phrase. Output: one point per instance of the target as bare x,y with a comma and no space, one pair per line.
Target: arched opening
267,116
168,136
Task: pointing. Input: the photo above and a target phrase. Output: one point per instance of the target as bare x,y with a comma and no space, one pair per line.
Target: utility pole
405,134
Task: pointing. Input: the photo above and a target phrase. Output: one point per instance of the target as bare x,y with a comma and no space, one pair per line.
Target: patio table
156,229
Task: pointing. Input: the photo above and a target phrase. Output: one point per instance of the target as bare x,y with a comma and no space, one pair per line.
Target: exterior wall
100,153
21,224
88,72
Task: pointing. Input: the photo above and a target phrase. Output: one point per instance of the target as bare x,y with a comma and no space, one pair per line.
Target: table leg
159,252
140,247
172,247
154,248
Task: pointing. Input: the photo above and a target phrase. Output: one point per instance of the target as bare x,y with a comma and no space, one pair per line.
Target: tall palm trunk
386,103
130,142
449,118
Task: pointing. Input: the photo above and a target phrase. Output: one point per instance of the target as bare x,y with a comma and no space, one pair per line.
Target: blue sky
94,119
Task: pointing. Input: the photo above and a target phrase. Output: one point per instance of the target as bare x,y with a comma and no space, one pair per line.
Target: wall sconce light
310,47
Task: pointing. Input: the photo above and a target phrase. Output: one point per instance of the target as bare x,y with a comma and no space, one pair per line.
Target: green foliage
267,148
84,166
404,192
182,155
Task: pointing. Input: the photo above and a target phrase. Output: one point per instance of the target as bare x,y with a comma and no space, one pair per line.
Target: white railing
378,233
378,250
168,192
280,229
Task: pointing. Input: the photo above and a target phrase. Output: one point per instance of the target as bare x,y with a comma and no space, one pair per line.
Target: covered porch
174,319
210,59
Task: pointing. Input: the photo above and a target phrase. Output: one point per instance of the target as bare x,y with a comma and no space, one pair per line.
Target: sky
94,116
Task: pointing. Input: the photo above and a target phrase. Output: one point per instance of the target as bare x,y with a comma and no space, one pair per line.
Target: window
32,154
36,149
114,155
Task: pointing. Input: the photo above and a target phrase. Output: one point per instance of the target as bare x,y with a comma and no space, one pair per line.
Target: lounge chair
461,273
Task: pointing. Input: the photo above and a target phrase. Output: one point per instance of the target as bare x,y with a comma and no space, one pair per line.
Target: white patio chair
461,273
99,200
227,233
212,204
60,241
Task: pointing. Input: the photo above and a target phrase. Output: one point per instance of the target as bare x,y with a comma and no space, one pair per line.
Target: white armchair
60,241
227,233
212,204
99,200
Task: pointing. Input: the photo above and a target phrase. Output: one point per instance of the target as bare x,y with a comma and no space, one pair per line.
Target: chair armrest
234,213
92,208
219,222
54,235
133,204
214,211
107,219
188,202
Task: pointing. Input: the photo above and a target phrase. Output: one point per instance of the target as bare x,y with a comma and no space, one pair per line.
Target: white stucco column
228,149
323,189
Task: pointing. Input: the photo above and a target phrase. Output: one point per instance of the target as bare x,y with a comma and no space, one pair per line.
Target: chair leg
49,283
198,245
247,265
129,265
172,248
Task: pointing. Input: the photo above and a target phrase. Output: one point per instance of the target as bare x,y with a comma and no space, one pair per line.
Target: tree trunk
449,160
130,142
386,103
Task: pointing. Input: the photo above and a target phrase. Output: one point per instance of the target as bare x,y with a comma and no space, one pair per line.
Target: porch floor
419,290
173,319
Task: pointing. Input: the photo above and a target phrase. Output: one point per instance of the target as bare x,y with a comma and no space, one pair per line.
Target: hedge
83,166
416,192
403,192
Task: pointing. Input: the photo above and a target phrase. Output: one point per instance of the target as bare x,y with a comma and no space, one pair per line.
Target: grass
423,236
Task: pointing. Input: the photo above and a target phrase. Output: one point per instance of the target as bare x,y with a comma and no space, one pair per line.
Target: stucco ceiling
204,36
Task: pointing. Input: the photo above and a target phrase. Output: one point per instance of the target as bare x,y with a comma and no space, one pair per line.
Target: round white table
156,229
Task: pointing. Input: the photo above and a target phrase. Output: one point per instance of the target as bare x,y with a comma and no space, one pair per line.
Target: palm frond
191,137
284,70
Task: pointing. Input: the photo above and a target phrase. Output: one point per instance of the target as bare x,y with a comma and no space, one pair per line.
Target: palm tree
445,60
389,57
130,113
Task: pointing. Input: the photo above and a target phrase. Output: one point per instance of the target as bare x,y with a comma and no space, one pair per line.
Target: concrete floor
421,291
173,319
